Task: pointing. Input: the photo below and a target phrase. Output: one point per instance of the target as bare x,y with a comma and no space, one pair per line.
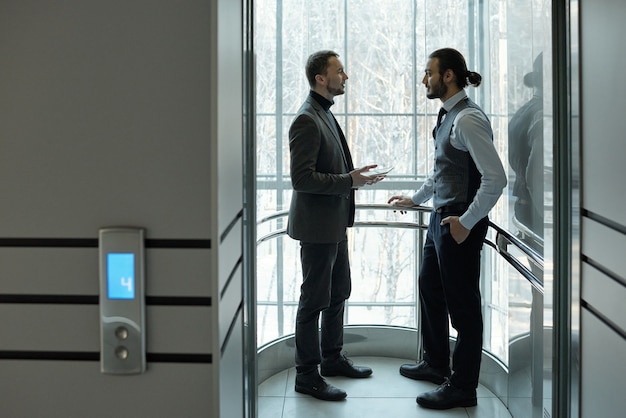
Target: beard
437,91
336,91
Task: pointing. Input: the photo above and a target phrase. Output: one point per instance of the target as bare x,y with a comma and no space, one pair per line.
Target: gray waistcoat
456,178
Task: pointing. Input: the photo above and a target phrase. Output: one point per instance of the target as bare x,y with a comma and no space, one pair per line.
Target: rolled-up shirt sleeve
425,192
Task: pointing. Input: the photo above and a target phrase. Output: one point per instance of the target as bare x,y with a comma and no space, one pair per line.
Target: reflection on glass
526,158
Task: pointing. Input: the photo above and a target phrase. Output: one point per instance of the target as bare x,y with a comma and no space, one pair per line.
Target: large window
387,120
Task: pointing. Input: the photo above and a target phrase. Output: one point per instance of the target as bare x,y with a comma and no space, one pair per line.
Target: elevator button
121,333
121,352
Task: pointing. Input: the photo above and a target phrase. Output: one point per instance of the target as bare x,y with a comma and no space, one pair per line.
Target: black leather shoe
447,396
423,371
342,366
313,384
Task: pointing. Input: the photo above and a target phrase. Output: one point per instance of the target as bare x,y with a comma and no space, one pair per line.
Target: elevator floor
385,394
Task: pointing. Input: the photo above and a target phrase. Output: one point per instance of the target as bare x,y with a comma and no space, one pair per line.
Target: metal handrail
521,245
501,247
503,239
501,244
406,225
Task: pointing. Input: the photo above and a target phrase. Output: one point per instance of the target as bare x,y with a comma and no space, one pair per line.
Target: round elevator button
121,352
121,333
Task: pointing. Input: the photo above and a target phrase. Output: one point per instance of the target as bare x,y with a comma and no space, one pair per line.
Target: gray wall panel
74,271
71,328
604,124
603,350
231,375
43,327
603,367
179,329
51,271
105,118
603,245
604,294
178,272
230,252
227,125
229,122
58,389
230,303
119,113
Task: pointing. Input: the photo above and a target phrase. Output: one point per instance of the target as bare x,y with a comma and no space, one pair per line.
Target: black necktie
442,112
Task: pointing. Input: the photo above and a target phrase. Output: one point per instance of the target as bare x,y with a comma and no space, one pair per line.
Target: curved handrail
502,248
407,225
521,245
503,237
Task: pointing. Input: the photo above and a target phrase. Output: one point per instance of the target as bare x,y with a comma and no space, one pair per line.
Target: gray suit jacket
322,204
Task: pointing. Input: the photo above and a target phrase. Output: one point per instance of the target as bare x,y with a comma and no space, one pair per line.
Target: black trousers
325,287
449,287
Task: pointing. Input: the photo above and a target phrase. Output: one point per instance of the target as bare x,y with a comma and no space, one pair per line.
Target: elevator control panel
122,301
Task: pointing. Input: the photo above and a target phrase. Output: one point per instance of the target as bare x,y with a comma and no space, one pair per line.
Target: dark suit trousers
449,285
325,287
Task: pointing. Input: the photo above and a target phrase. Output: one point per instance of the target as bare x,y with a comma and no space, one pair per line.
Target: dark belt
456,208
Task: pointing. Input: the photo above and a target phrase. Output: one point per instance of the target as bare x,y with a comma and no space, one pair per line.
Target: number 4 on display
127,283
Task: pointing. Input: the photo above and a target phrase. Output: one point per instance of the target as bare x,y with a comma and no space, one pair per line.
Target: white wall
120,113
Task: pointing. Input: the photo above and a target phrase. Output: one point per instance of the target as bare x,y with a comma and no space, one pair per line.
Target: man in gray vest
466,182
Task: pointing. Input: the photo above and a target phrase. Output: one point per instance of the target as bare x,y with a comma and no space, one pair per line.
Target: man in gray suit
322,207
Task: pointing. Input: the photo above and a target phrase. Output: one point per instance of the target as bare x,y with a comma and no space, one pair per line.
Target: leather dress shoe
313,384
342,366
447,396
424,371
